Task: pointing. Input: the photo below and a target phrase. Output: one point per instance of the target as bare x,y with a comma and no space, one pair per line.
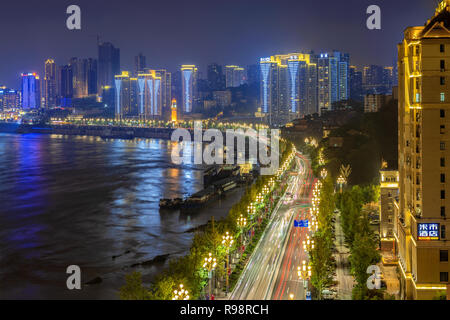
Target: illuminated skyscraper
108,65
127,100
166,92
122,86
31,97
288,87
333,79
151,88
49,85
189,87
421,221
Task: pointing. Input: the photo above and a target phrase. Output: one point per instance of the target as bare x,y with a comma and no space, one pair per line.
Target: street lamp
341,181
210,264
227,242
242,222
181,294
323,173
304,273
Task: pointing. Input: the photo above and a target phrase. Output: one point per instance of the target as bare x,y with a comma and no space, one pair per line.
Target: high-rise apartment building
288,87
166,92
108,65
152,93
234,76
49,89
84,73
356,90
9,98
333,79
126,96
424,157
139,64
216,78
65,85
31,92
189,87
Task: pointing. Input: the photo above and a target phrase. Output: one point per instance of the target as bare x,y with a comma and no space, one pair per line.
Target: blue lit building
333,78
189,87
288,87
31,92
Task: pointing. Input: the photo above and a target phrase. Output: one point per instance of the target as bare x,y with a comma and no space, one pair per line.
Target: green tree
133,288
363,254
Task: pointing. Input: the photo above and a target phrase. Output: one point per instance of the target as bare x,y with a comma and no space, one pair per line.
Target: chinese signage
428,231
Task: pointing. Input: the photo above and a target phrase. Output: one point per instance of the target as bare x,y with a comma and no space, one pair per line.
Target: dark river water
70,200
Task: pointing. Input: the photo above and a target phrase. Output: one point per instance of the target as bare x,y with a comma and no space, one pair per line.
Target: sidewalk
344,278
389,271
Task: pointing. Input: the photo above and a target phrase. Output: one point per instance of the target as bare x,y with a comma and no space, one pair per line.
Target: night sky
174,32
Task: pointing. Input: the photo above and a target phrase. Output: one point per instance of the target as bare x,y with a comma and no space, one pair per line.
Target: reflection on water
82,200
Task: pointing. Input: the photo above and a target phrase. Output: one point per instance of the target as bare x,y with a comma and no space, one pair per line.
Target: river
73,200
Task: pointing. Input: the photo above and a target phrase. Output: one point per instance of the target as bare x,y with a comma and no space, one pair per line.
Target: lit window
417,97
442,96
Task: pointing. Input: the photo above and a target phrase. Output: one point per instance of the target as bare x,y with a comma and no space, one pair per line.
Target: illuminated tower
420,221
174,110
333,79
123,101
189,87
288,87
150,88
31,97
49,85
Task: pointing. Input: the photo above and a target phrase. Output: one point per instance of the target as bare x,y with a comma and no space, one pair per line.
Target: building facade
424,157
108,65
373,102
31,91
49,89
388,195
288,87
189,87
333,79
9,99
234,76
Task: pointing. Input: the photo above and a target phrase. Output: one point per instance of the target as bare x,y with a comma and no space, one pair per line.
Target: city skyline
208,45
